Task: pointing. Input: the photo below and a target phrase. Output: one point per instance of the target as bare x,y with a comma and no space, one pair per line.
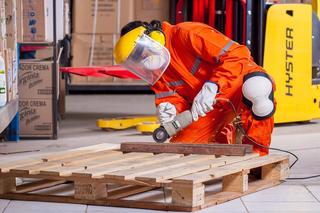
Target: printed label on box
35,117
35,80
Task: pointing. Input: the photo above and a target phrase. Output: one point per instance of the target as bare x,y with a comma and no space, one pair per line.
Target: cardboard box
38,20
78,80
9,73
35,80
3,20
148,10
19,21
11,24
92,50
14,76
36,118
35,20
101,16
44,53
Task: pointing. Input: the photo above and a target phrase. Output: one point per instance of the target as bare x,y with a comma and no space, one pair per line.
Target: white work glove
203,102
166,112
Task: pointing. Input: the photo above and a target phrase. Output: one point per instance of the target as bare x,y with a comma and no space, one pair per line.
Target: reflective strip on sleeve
165,94
195,65
194,69
176,83
225,49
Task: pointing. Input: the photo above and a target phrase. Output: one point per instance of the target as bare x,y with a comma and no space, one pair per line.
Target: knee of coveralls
258,130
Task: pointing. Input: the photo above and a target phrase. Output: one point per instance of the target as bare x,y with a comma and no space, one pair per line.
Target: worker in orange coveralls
189,67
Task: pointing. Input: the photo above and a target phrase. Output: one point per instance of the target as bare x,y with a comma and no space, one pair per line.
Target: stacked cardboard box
35,99
37,20
96,28
37,105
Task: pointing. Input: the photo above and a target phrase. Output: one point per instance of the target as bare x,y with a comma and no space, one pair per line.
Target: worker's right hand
166,112
204,101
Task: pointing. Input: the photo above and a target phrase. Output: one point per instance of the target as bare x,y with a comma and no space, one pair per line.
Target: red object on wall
179,11
212,12
229,18
244,20
115,71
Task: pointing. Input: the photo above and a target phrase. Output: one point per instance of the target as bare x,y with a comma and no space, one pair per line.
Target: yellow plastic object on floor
124,123
147,127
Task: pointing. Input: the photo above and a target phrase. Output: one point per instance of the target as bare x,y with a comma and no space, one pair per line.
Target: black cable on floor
304,178
265,147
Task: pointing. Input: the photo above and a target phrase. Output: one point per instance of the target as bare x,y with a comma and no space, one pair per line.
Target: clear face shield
148,60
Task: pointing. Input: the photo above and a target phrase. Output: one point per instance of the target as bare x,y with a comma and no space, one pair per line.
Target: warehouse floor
79,129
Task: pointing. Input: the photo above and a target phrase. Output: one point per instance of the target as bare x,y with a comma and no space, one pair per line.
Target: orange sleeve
165,94
227,57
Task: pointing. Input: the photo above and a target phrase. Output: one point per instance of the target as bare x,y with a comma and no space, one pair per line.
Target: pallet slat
98,172
189,168
229,169
37,185
68,170
80,151
134,172
39,158
35,168
181,148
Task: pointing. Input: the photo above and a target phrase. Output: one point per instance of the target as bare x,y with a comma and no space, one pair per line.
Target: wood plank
69,169
38,158
37,185
188,195
204,176
7,184
79,151
130,174
101,202
249,164
35,168
276,171
182,169
98,172
221,197
90,190
179,148
5,167
126,191
237,182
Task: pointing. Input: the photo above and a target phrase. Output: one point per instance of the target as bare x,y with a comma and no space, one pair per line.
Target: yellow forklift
291,56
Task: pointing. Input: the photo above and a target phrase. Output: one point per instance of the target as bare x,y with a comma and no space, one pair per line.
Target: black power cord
262,146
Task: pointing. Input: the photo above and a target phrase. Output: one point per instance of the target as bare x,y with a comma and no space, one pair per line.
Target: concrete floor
79,129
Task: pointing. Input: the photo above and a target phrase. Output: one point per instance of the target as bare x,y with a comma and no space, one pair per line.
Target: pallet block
166,181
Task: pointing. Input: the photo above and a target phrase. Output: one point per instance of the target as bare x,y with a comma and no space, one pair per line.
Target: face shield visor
148,60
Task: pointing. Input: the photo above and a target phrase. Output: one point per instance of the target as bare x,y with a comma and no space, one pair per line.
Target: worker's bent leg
258,131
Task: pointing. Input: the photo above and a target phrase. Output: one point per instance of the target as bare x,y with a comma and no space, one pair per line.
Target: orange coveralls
199,54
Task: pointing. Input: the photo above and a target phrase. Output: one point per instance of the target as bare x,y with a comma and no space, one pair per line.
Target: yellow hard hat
127,42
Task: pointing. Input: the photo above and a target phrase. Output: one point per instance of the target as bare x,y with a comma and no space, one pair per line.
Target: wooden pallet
100,176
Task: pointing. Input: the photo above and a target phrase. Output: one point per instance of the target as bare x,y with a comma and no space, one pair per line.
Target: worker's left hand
204,101
166,112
